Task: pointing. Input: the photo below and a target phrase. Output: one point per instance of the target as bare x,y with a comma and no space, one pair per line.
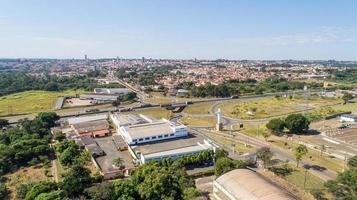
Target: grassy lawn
199,121
271,107
199,108
25,175
297,177
157,113
313,156
241,148
347,107
31,101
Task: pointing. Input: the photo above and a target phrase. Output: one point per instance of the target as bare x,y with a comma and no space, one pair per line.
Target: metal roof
245,184
149,129
76,120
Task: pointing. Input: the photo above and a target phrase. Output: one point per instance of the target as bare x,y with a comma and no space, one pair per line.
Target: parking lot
111,153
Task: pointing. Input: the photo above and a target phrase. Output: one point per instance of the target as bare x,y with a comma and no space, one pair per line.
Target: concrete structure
99,98
176,153
152,131
219,125
182,92
244,184
76,120
120,120
349,118
116,91
98,128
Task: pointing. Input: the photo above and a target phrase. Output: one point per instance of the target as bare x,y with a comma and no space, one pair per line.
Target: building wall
157,137
347,119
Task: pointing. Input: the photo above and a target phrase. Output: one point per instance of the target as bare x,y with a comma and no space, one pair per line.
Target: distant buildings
104,95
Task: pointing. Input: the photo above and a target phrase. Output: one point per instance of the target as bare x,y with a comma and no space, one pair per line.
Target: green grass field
157,113
271,107
31,101
199,121
199,108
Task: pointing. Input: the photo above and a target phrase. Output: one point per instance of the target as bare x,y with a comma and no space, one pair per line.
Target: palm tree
118,162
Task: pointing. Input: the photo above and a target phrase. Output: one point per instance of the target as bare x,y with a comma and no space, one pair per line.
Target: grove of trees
295,123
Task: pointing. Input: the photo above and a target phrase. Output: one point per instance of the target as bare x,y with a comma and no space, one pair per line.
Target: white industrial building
244,184
139,129
348,118
152,131
176,153
116,91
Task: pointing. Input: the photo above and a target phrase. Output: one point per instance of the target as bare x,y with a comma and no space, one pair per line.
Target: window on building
153,137
172,134
147,138
166,135
141,139
160,136
135,140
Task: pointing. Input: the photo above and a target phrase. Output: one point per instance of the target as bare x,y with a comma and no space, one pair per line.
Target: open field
199,121
25,175
272,107
313,156
199,108
164,100
31,101
240,148
157,113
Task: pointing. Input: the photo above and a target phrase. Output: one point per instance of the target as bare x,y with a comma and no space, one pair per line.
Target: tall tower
219,125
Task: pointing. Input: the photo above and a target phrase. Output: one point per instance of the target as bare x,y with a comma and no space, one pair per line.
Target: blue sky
203,29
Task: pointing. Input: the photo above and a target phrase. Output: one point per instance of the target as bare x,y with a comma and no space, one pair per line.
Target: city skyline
233,30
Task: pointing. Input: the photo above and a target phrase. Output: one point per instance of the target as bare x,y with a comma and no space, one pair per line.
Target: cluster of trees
27,143
344,186
295,123
73,185
70,154
236,87
126,97
19,82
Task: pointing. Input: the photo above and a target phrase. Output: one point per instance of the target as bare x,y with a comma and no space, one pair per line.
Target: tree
344,186
76,180
297,123
3,191
38,188
346,97
69,155
48,119
4,123
129,96
118,162
300,151
276,126
53,195
59,136
266,135
265,154
102,191
352,162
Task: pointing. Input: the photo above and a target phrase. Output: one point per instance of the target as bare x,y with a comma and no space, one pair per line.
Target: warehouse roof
131,119
111,90
76,120
149,129
246,184
179,151
86,127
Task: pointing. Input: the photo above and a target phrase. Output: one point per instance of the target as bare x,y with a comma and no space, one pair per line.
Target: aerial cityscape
178,100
